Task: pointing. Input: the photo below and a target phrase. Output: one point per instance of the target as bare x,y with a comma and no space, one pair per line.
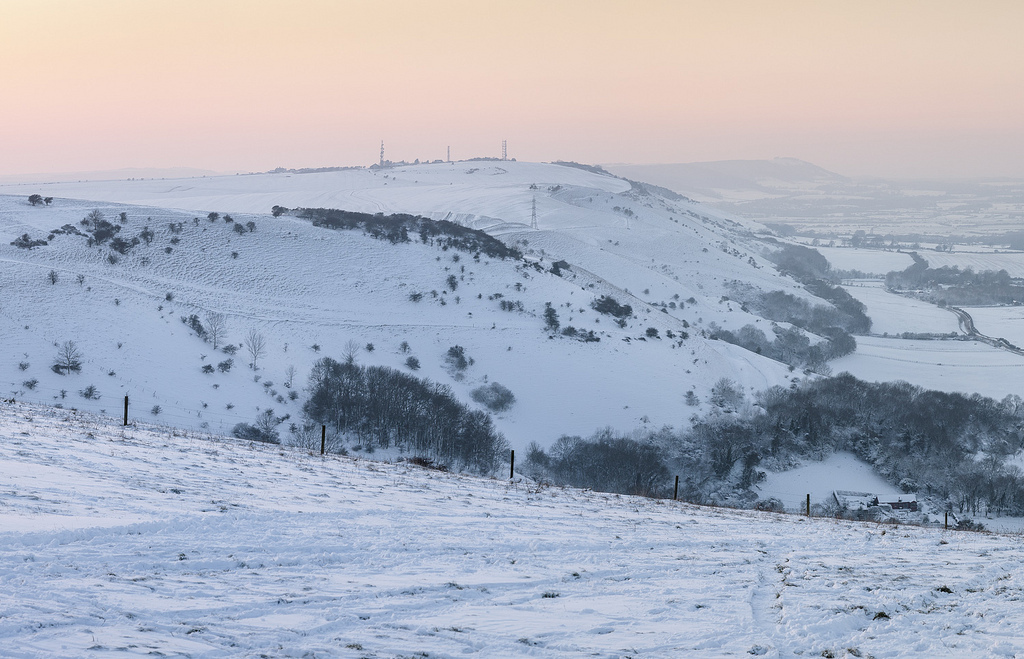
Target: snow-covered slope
302,286
129,541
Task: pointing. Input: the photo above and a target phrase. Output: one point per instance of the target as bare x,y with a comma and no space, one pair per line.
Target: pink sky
894,88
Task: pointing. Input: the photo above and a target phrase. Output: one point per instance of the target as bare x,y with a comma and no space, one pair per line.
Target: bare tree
350,352
216,327
257,346
289,377
68,360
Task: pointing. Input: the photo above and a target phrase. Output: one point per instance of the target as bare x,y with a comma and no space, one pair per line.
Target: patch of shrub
494,397
611,307
26,242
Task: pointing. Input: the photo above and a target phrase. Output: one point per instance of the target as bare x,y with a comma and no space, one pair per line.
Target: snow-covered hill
311,291
141,540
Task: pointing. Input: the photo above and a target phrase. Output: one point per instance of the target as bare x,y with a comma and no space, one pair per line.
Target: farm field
895,314
999,322
1012,262
866,260
964,366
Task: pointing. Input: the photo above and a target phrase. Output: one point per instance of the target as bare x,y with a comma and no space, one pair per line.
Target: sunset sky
891,88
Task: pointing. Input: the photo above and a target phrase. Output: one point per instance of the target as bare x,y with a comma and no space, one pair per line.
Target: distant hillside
136,292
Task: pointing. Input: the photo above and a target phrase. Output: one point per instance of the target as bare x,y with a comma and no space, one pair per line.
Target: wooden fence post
808,505
126,409
675,492
947,520
323,439
512,465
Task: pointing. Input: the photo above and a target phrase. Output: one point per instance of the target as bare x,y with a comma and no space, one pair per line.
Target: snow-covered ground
964,366
895,314
872,261
1000,322
839,471
1012,262
309,291
142,541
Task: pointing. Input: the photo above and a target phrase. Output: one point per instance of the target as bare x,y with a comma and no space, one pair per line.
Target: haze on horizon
909,89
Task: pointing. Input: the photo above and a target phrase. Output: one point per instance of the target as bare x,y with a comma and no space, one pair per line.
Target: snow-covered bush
495,397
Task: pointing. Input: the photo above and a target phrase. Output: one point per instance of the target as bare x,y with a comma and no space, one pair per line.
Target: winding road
967,326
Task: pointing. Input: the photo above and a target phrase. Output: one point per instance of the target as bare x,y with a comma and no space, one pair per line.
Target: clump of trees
810,268
951,285
947,446
606,462
789,345
397,228
383,407
610,306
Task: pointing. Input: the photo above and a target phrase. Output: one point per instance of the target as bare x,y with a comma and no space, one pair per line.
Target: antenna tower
533,215
504,149
449,154
382,153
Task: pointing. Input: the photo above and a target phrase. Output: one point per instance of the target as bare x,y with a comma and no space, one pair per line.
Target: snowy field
1012,262
128,542
881,262
1000,322
895,314
839,471
872,261
964,366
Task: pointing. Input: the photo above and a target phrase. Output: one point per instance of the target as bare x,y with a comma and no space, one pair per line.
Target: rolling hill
311,291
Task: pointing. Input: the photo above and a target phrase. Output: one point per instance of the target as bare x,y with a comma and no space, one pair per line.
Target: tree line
951,285
396,228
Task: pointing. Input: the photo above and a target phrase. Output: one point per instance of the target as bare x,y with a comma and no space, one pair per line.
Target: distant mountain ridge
710,180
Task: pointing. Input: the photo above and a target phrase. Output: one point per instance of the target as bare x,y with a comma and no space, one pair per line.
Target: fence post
323,439
512,465
808,505
947,520
675,492
126,409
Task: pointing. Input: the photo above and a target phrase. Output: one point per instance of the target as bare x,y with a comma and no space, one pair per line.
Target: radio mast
504,149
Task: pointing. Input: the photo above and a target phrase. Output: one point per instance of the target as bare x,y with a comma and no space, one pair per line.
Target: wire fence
144,404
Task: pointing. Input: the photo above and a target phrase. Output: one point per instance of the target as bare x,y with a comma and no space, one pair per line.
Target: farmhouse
878,505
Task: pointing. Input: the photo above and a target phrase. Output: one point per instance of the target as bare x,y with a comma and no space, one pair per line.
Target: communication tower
449,154
382,153
504,149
